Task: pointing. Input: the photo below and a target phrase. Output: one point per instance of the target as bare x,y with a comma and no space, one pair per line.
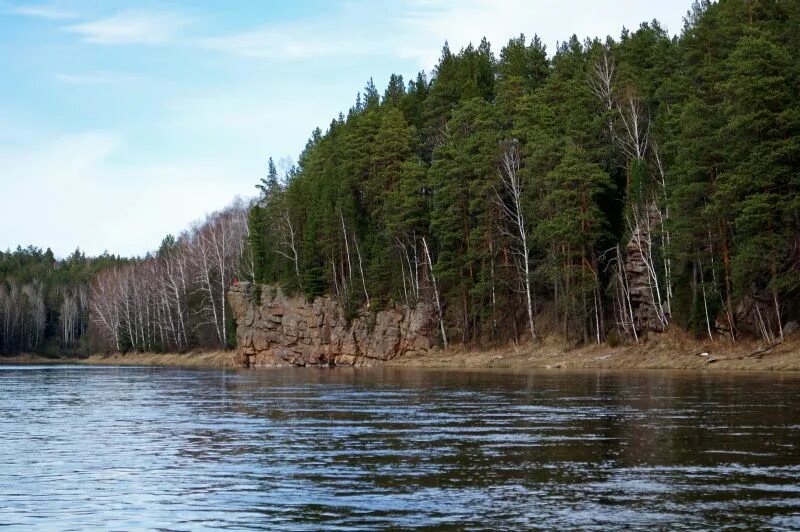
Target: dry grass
674,350
211,359
30,358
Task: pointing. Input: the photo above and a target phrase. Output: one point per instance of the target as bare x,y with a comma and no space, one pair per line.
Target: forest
44,302
170,300
604,191
612,188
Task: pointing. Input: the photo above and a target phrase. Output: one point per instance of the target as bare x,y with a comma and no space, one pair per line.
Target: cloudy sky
121,121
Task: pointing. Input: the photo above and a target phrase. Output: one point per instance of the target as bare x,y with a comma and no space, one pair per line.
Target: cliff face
278,330
648,314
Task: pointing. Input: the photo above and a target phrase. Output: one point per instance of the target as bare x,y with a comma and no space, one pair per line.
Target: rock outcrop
648,314
274,329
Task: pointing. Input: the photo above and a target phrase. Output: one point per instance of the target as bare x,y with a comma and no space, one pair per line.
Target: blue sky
121,121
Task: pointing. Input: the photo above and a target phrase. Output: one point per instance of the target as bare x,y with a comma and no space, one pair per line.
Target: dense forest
613,188
604,191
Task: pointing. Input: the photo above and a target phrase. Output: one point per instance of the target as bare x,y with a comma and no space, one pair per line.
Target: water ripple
171,449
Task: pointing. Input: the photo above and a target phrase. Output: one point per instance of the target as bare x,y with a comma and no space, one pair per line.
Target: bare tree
289,244
663,217
105,302
623,308
602,80
361,270
511,205
219,255
209,282
174,284
35,313
69,313
649,236
247,262
642,239
439,312
409,266
145,305
633,140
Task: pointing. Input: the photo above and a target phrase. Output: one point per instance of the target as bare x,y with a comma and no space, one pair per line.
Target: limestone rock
278,329
647,315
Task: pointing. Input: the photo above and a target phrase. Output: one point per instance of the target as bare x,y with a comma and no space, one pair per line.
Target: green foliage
573,229
30,277
714,177
720,123
230,340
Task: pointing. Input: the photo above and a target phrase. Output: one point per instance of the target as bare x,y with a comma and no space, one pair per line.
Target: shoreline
192,359
198,359
672,351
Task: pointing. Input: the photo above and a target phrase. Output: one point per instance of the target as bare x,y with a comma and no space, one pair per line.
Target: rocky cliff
649,314
274,329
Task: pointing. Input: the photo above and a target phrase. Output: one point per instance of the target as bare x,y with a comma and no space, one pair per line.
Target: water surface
131,448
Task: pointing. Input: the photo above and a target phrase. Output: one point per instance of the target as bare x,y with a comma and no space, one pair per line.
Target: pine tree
757,192
572,228
461,177
709,178
269,185
522,69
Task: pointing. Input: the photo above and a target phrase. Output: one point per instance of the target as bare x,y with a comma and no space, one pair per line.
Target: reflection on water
127,448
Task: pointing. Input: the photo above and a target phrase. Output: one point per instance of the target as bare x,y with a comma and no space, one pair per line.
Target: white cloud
45,11
132,27
428,23
62,160
301,40
97,78
418,29
200,142
248,126
70,191
242,112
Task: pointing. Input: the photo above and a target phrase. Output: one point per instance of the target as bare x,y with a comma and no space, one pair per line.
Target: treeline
614,188
175,300
171,300
44,302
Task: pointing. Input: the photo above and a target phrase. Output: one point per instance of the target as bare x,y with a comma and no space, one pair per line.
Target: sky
123,121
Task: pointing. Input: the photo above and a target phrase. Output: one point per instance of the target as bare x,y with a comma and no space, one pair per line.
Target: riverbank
199,359
666,351
674,350
33,359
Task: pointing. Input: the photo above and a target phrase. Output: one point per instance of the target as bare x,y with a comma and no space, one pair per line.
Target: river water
160,448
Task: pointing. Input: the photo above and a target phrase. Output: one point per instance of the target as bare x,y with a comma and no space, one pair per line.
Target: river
126,448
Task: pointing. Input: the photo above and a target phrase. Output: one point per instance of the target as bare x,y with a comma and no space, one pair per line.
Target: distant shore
31,359
669,351
205,359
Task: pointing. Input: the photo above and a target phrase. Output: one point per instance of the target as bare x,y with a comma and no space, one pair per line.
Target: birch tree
511,202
